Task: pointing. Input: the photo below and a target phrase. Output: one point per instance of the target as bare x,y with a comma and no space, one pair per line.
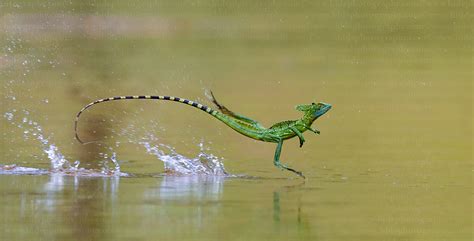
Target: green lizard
277,133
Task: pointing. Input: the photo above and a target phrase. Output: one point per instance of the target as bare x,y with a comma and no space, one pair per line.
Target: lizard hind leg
222,108
232,114
277,163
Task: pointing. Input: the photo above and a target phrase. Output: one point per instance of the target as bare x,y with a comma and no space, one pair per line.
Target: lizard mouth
323,110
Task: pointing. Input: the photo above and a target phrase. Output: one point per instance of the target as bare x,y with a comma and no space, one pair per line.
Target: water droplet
8,116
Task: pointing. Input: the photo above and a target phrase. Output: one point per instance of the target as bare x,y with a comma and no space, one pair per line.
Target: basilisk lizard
277,133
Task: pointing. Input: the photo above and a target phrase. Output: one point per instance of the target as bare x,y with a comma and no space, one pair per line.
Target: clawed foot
297,172
316,131
313,130
301,143
284,167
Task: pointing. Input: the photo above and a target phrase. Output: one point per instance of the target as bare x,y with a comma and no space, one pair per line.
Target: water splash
16,170
106,170
59,163
174,163
203,164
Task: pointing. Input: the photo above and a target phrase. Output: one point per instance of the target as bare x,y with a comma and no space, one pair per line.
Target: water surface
393,161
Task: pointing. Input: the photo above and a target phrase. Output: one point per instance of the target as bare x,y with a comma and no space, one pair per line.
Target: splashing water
203,164
59,163
33,129
174,163
16,170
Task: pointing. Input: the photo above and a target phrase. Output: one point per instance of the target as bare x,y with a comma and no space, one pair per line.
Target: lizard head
315,109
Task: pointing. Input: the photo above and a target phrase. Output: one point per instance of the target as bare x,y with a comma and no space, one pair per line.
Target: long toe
301,175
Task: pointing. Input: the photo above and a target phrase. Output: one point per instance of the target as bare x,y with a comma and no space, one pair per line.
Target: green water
393,161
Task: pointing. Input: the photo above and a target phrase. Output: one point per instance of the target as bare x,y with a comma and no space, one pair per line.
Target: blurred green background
393,161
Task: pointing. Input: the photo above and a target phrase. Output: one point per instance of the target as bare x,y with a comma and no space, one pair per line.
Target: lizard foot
301,143
296,172
284,167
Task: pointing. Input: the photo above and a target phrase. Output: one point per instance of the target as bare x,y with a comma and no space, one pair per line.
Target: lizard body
277,133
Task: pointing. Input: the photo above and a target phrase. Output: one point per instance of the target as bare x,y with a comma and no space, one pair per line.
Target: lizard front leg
299,134
313,130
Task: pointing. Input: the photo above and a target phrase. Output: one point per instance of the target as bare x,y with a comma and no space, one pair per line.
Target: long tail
144,97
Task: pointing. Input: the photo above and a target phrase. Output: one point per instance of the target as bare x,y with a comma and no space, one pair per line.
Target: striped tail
144,97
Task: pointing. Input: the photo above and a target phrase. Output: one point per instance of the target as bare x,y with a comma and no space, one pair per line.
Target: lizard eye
313,103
